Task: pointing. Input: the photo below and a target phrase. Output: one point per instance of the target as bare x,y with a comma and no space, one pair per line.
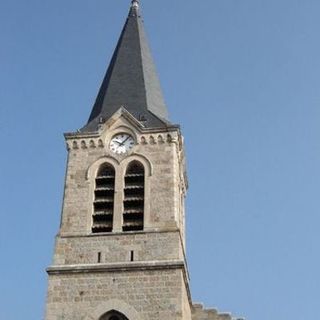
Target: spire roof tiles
131,80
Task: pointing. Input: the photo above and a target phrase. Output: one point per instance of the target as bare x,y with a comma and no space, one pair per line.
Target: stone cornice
82,135
117,267
121,234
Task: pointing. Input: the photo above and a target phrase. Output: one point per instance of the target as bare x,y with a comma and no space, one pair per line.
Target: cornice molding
116,267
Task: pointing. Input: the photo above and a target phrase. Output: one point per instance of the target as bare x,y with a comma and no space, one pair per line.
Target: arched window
133,214
103,199
113,315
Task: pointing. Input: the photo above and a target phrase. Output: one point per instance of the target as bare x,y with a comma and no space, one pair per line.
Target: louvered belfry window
133,214
104,199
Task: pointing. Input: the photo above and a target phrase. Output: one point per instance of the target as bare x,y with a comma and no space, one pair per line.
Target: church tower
120,250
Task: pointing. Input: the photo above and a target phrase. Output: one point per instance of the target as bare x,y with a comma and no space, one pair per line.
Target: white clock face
121,143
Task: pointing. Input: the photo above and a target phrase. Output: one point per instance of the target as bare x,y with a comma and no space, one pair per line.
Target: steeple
122,227
131,80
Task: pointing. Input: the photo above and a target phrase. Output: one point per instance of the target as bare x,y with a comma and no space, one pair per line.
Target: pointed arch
94,167
111,305
141,158
113,315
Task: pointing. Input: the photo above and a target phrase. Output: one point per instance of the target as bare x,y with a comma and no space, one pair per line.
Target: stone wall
199,313
152,295
112,248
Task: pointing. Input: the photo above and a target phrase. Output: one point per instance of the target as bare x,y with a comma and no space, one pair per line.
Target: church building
120,250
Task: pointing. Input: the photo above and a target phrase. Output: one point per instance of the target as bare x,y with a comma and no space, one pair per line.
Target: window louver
133,214
104,200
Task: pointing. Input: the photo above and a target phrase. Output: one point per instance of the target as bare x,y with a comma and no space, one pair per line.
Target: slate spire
131,80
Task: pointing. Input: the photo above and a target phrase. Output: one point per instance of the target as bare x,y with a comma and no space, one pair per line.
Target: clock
121,143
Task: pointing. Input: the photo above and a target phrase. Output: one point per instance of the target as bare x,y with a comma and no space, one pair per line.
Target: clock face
121,143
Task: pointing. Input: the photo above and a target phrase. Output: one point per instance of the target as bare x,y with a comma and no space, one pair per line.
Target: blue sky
241,77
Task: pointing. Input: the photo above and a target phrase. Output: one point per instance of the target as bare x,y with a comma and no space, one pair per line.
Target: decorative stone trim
84,144
93,143
100,143
156,139
160,139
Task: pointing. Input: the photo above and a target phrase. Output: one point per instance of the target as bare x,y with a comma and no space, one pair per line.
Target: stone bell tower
120,250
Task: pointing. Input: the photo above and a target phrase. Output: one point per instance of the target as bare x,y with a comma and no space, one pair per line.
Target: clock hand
124,141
